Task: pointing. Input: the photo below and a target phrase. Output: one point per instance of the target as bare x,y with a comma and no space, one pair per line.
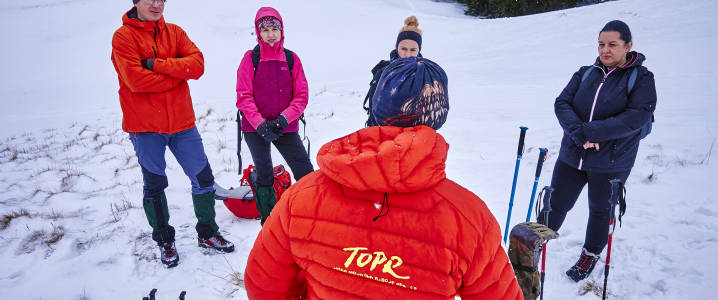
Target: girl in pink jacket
272,93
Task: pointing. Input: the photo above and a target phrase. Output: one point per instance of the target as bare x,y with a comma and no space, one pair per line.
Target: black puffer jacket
603,112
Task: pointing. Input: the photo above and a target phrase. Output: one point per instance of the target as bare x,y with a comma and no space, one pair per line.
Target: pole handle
615,184
547,198
522,137
542,157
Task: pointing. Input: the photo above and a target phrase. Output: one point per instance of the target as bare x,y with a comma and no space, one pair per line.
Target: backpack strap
239,140
290,59
309,143
632,79
255,58
586,73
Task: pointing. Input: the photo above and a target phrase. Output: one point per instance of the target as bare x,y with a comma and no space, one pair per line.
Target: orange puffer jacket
156,101
379,220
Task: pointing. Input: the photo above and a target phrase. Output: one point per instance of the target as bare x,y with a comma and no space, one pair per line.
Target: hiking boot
583,266
217,243
168,255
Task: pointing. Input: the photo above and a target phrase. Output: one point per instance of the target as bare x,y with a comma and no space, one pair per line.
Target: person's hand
590,145
266,133
278,124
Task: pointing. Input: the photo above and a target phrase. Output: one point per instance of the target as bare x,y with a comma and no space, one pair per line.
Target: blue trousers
292,150
568,184
187,148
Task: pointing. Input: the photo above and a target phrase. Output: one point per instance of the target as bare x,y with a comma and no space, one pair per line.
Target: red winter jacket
159,100
379,220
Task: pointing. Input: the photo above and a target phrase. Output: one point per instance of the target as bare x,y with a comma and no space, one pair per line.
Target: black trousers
292,150
568,184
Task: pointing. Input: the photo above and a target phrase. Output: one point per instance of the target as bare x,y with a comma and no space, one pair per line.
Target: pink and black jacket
273,89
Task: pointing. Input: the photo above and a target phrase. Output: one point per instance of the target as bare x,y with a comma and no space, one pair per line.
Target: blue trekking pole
542,158
520,152
547,208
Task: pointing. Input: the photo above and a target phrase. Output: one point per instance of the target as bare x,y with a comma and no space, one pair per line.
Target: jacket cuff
578,135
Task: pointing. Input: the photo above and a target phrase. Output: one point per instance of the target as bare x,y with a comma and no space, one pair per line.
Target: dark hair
621,28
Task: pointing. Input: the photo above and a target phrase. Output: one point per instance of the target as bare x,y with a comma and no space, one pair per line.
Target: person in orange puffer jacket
380,220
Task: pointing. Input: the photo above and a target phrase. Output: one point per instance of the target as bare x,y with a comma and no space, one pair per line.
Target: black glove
278,124
266,133
148,64
577,134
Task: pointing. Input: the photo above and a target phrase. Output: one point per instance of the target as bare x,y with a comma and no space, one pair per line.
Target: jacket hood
633,59
264,47
386,159
130,18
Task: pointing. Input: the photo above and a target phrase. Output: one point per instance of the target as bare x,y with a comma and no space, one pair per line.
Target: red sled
240,201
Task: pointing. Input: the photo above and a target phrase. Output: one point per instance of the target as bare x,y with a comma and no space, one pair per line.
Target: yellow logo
377,259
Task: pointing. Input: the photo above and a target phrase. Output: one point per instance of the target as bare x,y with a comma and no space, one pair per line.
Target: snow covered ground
69,175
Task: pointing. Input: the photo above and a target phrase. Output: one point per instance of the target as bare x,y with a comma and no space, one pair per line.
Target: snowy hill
71,188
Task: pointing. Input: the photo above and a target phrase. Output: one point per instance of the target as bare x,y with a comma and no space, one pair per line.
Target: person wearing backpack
271,97
408,44
379,219
602,111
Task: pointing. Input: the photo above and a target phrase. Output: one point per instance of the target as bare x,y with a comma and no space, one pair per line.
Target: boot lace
585,262
221,240
168,251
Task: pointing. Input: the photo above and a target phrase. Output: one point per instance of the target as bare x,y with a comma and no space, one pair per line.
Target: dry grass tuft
7,217
42,238
231,276
205,115
83,130
118,210
83,296
591,286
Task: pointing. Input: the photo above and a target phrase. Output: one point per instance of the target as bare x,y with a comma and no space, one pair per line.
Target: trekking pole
520,153
547,208
615,188
542,158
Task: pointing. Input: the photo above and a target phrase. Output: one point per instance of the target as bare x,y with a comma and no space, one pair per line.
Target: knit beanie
410,32
269,21
412,91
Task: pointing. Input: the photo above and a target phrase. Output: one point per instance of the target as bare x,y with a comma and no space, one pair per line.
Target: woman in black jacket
602,122
408,44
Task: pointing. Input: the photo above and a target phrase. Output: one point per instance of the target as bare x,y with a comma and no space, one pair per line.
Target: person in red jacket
380,220
154,60
272,94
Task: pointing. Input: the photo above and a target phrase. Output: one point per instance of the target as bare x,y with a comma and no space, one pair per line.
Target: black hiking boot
583,266
168,255
218,243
